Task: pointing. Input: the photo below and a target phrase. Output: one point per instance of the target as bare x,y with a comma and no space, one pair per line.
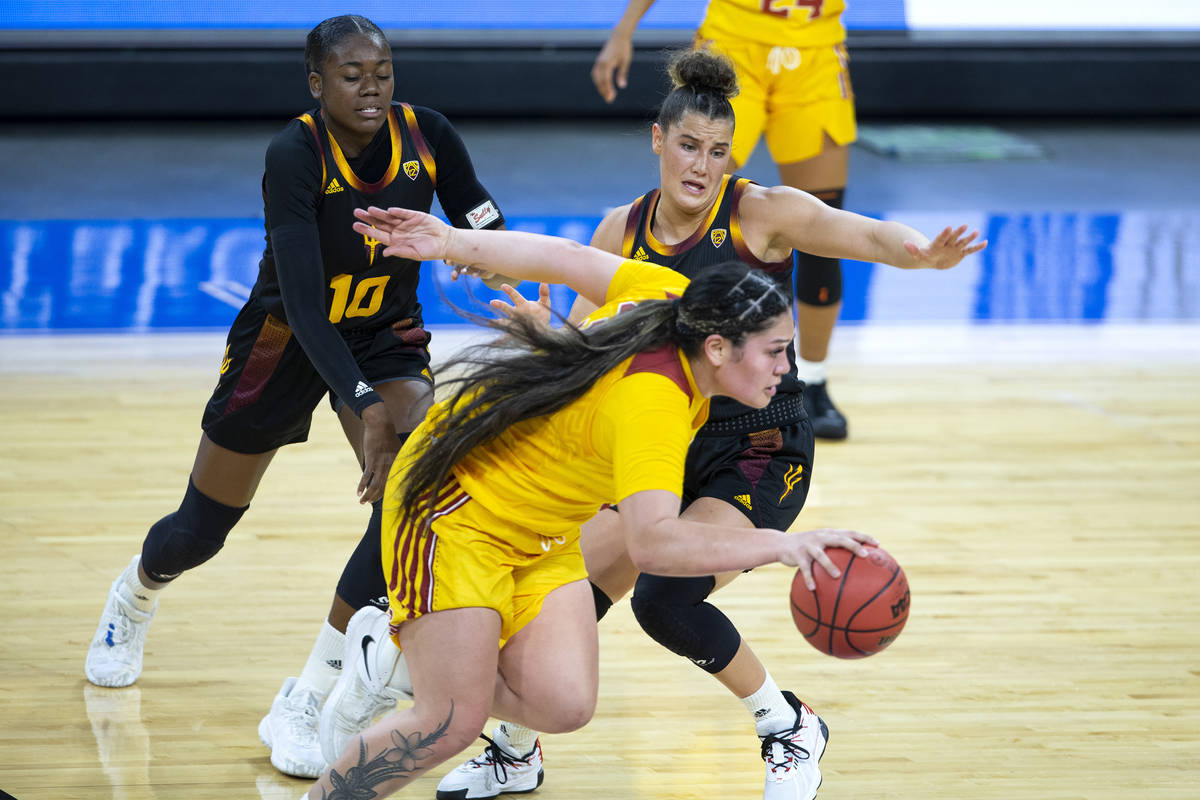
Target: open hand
538,311
949,248
405,233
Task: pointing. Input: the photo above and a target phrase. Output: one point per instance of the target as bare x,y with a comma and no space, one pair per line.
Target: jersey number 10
367,298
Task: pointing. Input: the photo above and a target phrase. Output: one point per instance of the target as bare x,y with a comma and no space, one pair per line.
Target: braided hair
329,34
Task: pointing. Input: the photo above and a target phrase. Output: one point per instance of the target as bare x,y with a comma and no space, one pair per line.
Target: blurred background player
328,313
792,66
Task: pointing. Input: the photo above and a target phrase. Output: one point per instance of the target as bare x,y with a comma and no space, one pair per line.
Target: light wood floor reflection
1041,488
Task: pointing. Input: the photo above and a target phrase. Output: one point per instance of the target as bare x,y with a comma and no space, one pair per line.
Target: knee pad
362,580
189,537
603,601
673,612
819,279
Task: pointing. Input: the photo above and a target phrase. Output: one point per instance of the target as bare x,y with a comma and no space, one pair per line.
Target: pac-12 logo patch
718,236
412,169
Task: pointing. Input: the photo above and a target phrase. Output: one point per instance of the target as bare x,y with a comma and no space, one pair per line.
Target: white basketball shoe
499,770
290,731
115,655
792,755
374,677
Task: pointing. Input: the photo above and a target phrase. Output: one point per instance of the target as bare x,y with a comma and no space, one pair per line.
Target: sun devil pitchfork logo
793,476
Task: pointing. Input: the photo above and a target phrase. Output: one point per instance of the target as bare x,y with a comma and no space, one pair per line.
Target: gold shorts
794,95
470,557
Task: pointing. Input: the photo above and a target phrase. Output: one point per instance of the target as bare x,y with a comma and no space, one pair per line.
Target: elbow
647,556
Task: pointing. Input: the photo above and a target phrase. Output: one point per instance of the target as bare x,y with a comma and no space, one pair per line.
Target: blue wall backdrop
464,14
172,274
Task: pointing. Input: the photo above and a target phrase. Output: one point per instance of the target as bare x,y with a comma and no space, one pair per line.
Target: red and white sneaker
498,771
792,756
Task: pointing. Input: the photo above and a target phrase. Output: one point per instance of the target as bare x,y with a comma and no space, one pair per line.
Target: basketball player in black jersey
746,467
329,313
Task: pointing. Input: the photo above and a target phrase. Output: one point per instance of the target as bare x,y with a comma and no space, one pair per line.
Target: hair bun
703,71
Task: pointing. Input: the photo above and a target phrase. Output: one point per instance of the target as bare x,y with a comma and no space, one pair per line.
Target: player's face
355,90
751,373
693,155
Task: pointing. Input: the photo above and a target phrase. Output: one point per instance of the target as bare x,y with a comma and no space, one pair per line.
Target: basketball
858,614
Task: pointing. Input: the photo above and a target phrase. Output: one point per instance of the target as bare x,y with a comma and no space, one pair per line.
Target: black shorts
268,388
764,474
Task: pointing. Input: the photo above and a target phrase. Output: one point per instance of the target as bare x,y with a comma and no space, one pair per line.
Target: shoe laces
300,716
495,757
123,628
789,749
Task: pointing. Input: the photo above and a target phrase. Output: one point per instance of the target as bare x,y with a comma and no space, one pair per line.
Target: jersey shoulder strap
419,142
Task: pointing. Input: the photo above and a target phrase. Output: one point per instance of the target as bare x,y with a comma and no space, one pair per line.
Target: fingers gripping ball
859,613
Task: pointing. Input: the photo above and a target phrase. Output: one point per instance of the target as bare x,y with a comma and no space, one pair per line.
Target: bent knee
569,714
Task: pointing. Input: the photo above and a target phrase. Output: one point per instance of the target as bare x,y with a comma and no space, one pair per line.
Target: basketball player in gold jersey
747,467
795,89
487,585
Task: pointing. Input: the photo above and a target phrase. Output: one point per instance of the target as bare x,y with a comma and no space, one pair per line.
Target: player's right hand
804,549
405,233
614,57
379,448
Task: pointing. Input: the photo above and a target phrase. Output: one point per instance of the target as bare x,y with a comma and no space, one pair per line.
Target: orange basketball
858,614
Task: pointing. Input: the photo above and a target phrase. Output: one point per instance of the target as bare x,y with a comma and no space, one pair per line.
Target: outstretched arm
789,219
527,256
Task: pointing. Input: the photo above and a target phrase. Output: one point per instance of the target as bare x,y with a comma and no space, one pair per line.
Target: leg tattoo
400,760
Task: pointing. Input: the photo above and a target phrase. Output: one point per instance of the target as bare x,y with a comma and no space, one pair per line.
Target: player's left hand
538,311
949,248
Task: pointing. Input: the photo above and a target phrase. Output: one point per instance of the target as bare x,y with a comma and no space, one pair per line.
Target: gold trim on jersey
739,241
631,229
697,235
393,166
312,127
410,117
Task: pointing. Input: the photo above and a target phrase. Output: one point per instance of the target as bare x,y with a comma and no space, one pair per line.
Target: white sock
133,592
520,740
810,371
324,665
771,711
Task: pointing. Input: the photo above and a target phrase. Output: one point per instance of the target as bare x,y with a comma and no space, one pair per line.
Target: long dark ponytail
535,370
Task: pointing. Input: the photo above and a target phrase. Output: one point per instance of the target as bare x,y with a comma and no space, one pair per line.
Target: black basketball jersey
718,240
366,289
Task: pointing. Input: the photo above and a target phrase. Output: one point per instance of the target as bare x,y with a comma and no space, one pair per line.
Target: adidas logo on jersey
334,663
744,499
361,389
334,187
640,255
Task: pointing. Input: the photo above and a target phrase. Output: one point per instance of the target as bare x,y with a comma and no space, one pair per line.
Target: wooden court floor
1040,487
